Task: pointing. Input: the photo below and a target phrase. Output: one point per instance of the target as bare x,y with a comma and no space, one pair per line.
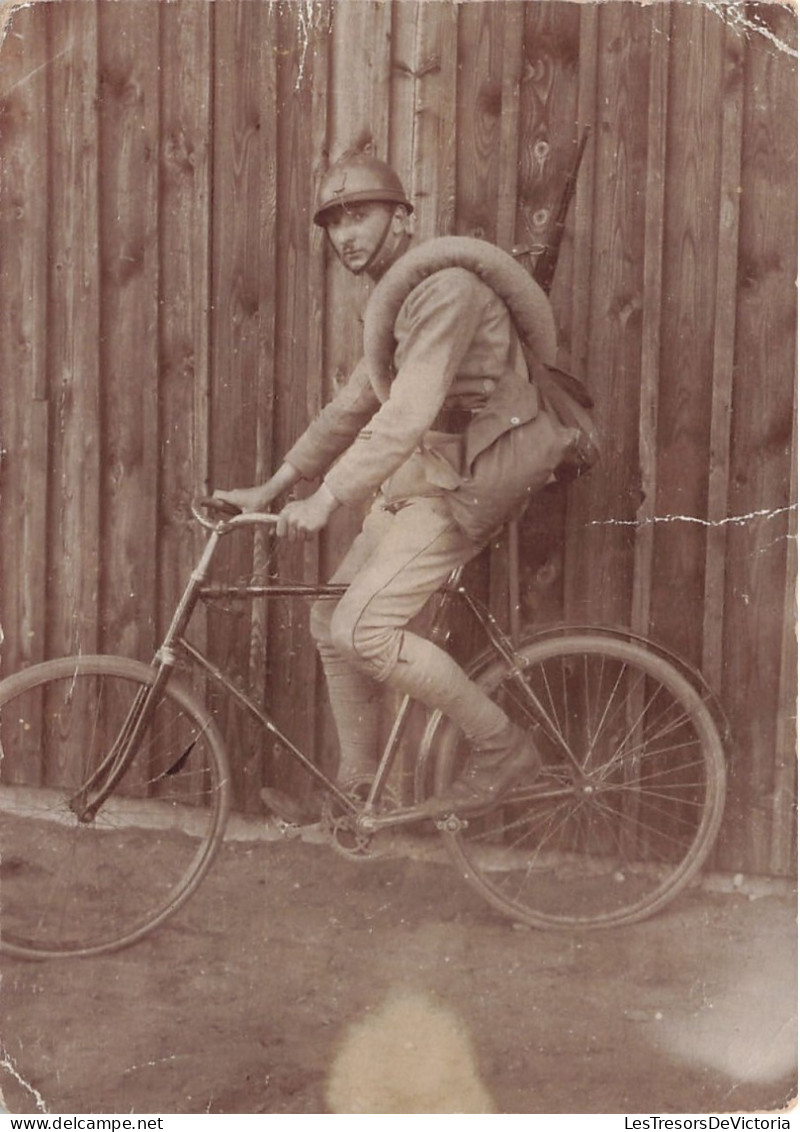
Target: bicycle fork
102,782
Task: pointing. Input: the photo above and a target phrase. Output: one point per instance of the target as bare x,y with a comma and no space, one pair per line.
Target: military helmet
358,177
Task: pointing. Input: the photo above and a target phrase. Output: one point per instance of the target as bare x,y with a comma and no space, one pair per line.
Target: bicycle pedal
288,831
451,824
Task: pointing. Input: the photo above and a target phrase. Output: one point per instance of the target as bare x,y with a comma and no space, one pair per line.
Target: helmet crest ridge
357,178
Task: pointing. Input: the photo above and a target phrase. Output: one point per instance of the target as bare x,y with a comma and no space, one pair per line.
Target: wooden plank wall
170,319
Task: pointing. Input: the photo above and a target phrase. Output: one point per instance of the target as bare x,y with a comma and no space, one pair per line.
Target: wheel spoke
638,775
84,887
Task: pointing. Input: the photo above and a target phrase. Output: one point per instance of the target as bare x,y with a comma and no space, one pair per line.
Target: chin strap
378,247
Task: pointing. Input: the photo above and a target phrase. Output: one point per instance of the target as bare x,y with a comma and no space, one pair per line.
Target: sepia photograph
398,491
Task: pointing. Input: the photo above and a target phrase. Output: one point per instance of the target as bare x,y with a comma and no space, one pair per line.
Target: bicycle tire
630,797
79,888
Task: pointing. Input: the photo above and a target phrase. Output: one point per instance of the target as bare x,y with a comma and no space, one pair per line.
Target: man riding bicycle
457,360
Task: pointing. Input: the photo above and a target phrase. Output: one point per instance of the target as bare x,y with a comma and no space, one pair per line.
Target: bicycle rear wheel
82,886
630,797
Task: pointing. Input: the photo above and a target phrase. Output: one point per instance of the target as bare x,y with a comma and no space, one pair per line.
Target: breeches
399,559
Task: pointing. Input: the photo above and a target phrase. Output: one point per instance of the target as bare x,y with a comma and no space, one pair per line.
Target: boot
488,776
288,809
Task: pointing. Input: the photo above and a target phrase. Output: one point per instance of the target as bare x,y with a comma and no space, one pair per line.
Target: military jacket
455,348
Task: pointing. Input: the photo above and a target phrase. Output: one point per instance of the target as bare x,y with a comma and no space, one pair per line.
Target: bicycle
618,822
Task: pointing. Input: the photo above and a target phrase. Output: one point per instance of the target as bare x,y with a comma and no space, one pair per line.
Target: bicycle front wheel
77,882
630,797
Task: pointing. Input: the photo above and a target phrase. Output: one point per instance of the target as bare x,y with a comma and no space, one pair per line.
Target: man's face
357,231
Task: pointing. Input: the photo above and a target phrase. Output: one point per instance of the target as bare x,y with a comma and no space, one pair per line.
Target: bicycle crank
345,830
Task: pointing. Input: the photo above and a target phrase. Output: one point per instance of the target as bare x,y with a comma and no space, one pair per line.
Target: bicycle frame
175,645
198,588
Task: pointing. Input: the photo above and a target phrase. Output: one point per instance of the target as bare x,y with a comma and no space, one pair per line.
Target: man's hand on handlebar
305,517
298,520
247,498
259,498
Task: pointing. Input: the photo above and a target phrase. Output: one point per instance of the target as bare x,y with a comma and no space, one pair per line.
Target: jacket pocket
434,469
443,454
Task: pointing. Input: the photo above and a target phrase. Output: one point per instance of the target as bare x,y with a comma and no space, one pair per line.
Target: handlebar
233,515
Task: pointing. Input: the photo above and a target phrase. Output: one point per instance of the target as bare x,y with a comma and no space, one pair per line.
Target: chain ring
340,828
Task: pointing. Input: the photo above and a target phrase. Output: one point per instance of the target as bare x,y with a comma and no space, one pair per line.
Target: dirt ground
296,981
